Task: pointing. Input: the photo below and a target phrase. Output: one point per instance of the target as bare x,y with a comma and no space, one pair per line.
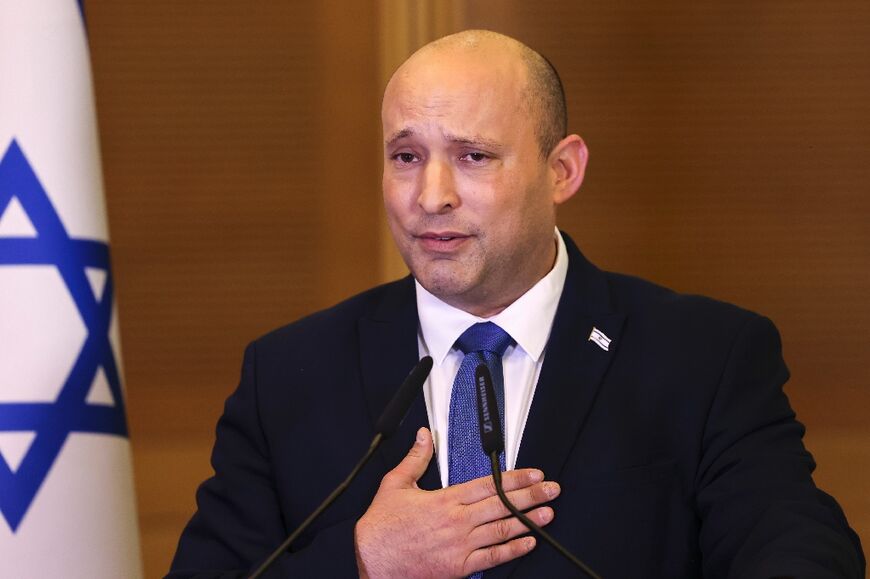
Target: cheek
393,202
398,190
505,204
522,214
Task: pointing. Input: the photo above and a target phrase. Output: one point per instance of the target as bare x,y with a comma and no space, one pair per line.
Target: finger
490,557
502,530
412,467
481,488
492,508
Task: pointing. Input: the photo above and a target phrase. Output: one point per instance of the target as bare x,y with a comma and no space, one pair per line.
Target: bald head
543,96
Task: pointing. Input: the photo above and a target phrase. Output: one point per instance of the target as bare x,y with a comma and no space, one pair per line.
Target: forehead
458,92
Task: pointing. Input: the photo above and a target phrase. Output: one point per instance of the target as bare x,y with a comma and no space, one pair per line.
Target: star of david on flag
67,505
51,422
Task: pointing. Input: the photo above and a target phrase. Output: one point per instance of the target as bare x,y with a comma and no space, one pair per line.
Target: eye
405,158
475,157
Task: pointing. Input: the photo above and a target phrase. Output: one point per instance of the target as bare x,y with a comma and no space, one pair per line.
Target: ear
567,163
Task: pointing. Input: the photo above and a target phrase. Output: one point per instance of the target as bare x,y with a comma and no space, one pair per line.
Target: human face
466,191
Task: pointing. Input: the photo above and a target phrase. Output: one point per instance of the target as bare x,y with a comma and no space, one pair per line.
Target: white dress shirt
528,321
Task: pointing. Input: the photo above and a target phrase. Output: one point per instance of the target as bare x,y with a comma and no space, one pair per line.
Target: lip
442,241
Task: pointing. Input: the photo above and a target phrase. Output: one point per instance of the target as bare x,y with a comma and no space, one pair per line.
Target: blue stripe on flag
53,422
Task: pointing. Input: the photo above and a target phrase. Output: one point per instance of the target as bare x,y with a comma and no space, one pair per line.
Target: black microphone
491,437
398,407
385,427
492,440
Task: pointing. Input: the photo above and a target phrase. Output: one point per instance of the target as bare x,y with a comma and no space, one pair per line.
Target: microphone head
398,407
487,411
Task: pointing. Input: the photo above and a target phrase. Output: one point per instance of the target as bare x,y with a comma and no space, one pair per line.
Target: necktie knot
484,337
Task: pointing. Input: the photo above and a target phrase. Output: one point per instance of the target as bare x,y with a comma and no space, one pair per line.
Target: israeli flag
67,506
599,338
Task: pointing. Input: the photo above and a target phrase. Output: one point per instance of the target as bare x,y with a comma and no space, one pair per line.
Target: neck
487,306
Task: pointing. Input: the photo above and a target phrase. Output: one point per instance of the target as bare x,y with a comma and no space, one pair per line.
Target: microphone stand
376,441
535,529
492,441
385,427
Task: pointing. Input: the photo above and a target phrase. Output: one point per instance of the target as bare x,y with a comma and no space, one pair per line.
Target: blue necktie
481,343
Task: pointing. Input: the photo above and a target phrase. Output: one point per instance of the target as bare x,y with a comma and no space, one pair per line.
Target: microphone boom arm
535,529
385,427
376,441
492,442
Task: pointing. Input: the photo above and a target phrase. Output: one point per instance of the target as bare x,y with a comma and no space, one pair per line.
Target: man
657,419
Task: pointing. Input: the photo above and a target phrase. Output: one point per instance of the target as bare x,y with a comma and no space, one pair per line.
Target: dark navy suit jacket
676,449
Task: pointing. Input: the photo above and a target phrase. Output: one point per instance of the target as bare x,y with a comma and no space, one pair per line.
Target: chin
443,284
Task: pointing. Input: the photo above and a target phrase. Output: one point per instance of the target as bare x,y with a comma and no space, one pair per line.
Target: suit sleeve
762,515
238,522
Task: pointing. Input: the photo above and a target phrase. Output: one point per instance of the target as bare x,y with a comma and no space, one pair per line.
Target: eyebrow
398,135
472,140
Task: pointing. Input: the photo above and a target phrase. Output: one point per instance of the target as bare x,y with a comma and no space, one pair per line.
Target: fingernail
529,543
551,489
536,476
421,437
547,515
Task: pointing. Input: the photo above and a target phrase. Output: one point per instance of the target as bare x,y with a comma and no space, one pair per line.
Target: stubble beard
458,282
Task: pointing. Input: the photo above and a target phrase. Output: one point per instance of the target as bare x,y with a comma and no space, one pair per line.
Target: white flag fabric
67,505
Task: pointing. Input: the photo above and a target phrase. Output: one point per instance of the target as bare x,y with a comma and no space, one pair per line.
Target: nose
438,188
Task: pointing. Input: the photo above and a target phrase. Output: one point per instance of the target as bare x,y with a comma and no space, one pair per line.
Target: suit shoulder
635,295
339,320
700,331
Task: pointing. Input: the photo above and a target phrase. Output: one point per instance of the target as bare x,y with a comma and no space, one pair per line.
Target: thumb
412,467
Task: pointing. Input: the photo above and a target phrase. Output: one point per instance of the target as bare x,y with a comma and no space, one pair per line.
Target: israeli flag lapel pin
600,338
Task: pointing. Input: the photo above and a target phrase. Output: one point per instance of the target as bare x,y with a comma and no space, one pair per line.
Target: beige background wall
729,146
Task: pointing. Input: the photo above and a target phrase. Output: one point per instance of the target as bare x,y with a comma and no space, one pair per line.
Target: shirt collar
528,320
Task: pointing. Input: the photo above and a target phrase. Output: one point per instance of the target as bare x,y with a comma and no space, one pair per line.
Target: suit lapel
388,352
573,369
569,381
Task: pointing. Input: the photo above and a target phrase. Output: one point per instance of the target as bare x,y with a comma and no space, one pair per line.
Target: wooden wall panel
237,145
